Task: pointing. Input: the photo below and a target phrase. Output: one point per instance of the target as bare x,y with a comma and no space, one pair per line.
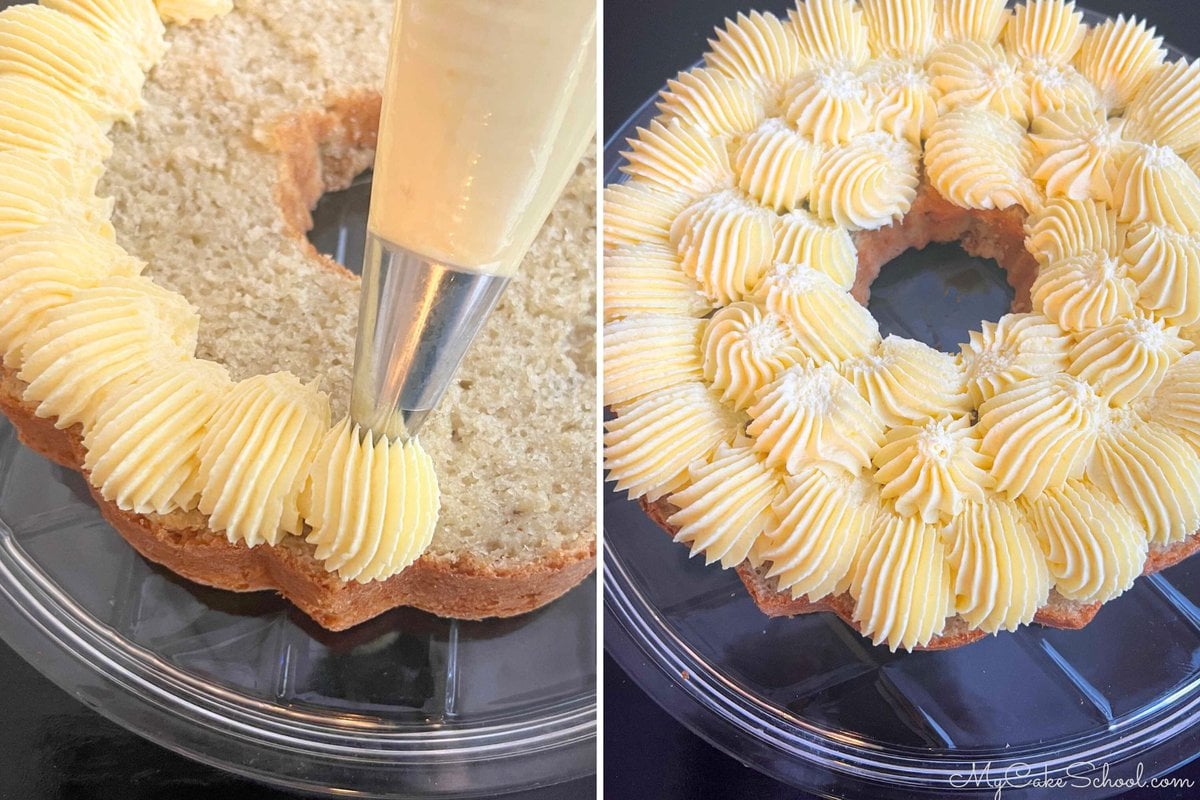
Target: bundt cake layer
465,588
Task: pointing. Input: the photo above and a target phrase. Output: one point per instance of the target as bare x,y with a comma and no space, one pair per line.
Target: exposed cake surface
212,301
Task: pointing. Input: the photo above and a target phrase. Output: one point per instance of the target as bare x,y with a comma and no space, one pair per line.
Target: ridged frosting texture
1164,263
828,104
931,470
652,441
1078,150
866,183
712,100
814,414
1094,548
678,157
646,352
646,279
776,165
727,505
1049,29
1039,433
899,28
971,20
1019,346
979,159
1117,56
1156,185
725,243
822,515
831,31
104,338
1166,111
46,124
826,322
640,213
372,503
745,348
1063,228
901,583
255,454
1176,401
125,25
1126,359
903,99
67,56
972,76
801,238
751,388
756,49
36,191
42,269
1150,470
998,571
1084,291
907,381
143,450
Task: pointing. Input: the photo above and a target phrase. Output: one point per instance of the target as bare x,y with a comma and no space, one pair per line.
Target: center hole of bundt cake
339,228
939,294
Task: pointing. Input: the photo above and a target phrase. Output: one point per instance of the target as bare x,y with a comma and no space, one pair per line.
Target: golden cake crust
465,588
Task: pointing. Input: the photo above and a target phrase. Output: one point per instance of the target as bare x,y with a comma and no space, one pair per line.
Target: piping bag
488,106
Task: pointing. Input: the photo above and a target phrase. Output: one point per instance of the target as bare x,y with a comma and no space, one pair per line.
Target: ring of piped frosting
1055,450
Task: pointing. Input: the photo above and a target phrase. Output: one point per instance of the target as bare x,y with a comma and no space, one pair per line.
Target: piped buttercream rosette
1040,463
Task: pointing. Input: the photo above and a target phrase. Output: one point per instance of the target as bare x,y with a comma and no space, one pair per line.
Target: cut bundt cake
169,331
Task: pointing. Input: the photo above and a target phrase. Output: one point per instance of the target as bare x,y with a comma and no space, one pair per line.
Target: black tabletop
646,752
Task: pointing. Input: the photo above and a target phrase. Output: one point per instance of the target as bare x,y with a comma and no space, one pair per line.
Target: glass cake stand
405,705
807,700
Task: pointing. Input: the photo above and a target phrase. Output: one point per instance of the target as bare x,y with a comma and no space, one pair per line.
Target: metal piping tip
416,319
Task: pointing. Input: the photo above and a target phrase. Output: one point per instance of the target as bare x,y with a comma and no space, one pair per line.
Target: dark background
646,753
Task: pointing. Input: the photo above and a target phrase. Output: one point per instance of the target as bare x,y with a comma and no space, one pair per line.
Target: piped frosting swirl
1127,358
813,413
1039,433
1094,548
104,338
801,238
908,381
646,279
652,441
66,56
867,183
745,348
727,505
372,503
931,469
775,165
1150,470
648,352
725,243
42,269
254,457
978,159
827,323
713,101
823,514
1117,56
1002,354
143,449
901,583
998,571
